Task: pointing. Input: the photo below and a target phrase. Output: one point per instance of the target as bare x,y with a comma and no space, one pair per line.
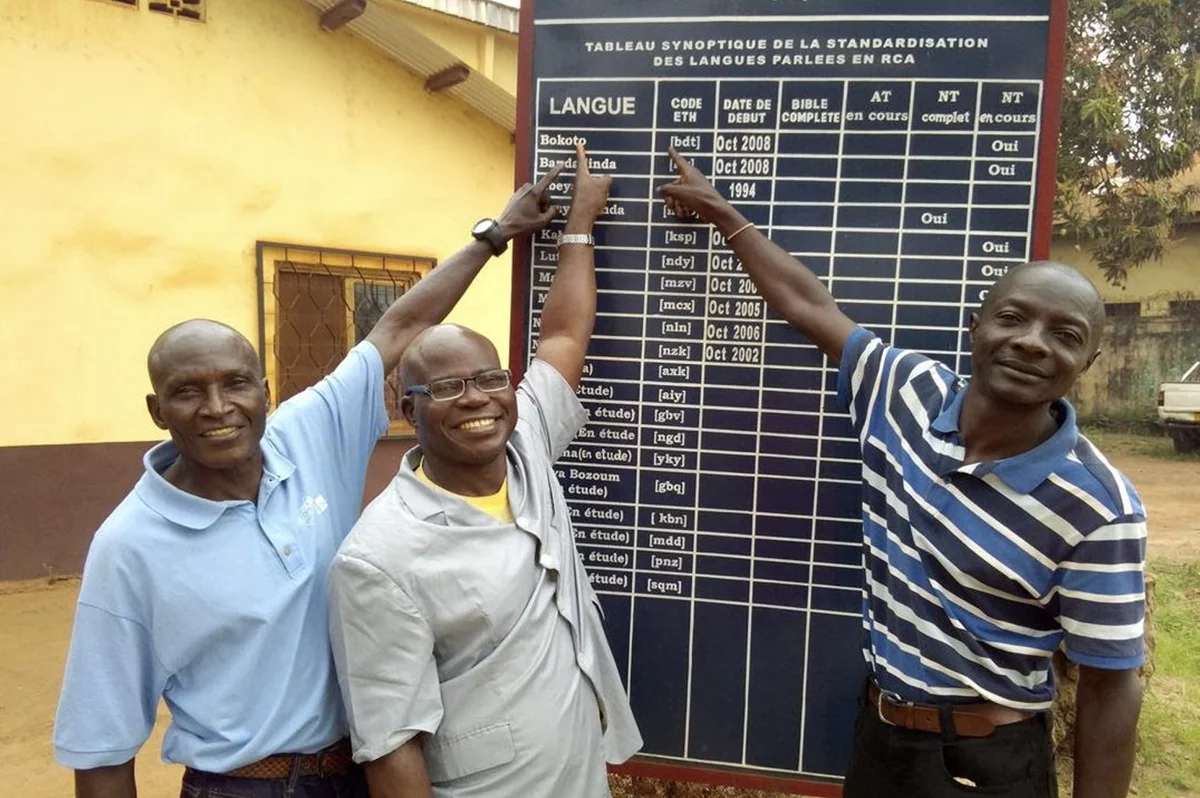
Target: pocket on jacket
461,755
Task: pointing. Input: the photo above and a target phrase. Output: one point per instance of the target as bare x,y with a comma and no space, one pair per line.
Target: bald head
462,437
209,393
1054,279
182,341
432,346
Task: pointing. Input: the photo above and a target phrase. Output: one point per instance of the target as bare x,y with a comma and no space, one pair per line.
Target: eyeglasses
454,387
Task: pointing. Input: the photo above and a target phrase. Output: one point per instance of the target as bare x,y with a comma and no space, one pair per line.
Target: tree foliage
1130,127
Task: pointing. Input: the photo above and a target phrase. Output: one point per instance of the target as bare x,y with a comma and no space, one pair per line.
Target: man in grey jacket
468,640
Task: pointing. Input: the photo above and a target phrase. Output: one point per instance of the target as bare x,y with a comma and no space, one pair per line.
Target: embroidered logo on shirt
311,508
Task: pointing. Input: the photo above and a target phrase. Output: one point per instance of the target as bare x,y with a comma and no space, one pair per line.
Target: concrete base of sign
634,787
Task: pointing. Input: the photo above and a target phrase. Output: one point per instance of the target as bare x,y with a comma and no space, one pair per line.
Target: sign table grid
716,491
698,350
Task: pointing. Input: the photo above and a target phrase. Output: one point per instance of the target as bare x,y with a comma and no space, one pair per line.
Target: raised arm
785,283
570,308
435,295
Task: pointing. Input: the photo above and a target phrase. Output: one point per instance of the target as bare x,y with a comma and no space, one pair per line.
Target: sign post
906,155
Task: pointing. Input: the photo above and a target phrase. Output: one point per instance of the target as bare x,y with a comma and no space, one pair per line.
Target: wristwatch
576,238
489,230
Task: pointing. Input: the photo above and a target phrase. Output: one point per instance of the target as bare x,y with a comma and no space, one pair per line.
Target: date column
744,168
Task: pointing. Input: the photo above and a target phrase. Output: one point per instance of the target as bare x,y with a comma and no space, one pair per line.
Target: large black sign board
904,153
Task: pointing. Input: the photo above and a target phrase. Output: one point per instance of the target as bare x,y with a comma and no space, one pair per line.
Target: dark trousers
1015,761
198,784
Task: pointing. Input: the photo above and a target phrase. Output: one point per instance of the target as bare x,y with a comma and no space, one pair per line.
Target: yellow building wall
141,157
1139,353
1176,276
506,64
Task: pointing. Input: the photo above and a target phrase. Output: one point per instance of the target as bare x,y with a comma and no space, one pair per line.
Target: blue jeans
198,784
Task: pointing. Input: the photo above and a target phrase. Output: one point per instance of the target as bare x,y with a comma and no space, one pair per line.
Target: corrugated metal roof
485,12
424,57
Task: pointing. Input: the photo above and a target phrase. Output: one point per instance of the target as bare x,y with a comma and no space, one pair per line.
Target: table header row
790,105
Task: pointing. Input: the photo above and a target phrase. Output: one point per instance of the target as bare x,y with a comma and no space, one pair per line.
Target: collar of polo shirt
1025,471
426,503
187,509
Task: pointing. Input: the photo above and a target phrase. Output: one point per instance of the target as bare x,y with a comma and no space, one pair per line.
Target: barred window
316,304
184,9
1184,307
1122,310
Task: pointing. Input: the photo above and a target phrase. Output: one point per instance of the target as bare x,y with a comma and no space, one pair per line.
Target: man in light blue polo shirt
206,585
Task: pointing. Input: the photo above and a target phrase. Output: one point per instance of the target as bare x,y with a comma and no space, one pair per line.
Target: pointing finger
548,178
582,162
681,163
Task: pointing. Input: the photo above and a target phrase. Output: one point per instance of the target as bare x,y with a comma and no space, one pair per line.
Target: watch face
482,226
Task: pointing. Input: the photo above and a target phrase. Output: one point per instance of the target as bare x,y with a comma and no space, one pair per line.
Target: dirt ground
35,626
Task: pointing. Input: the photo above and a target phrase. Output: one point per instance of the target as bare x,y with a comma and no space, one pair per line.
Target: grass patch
1156,444
1168,761
1131,421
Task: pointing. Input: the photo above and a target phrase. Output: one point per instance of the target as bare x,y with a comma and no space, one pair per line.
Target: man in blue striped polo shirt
994,533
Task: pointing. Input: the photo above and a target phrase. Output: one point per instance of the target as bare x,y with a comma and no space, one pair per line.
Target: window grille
1122,310
1184,307
316,304
184,9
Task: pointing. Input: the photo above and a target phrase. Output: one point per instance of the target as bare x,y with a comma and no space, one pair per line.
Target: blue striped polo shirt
976,573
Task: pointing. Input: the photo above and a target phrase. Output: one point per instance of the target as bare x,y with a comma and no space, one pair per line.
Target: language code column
599,471
672,372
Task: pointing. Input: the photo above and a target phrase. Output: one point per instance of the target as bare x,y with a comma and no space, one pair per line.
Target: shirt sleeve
345,409
383,650
1102,596
110,691
548,409
859,374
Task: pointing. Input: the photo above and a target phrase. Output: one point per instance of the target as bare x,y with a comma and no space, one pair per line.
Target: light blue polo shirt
219,607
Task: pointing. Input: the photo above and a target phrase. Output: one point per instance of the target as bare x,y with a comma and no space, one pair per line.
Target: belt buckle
331,763
892,698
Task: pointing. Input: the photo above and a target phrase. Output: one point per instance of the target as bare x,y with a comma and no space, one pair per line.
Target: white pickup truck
1179,409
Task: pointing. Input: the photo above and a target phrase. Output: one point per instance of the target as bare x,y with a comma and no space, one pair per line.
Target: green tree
1130,127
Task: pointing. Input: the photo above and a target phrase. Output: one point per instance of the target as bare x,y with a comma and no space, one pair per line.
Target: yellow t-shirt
495,505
